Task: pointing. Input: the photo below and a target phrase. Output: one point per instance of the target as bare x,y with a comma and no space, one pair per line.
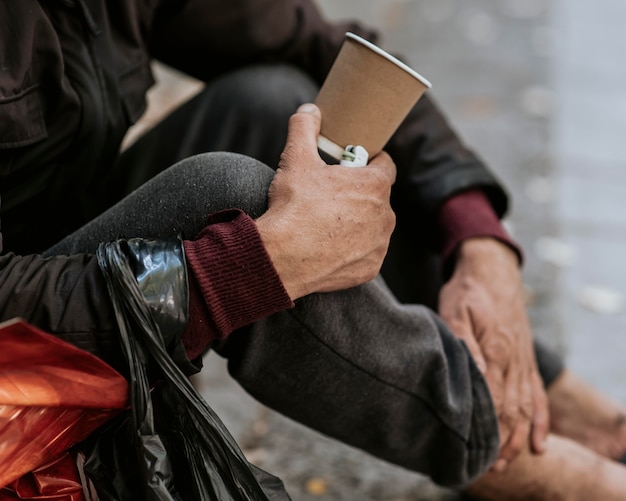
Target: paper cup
365,97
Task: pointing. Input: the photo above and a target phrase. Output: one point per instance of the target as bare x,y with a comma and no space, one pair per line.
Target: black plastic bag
171,445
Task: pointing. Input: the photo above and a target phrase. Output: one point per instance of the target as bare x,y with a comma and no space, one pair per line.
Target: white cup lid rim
388,56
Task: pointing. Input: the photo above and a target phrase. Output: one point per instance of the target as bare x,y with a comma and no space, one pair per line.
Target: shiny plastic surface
52,396
57,480
172,446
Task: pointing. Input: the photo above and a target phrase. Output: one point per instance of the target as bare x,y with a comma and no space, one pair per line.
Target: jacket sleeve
63,295
208,38
192,300
67,296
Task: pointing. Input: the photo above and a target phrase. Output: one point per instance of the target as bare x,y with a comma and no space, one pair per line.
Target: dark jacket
74,76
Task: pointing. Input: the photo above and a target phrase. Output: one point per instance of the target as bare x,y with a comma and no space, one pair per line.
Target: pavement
538,89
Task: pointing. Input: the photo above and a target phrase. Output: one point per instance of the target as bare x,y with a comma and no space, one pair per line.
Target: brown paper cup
365,97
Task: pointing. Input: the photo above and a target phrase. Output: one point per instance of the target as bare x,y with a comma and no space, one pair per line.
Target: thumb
304,127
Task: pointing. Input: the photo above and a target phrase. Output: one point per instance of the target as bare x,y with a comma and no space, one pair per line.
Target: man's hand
327,226
483,304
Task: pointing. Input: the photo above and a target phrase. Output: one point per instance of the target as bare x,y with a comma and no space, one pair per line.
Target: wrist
486,252
277,245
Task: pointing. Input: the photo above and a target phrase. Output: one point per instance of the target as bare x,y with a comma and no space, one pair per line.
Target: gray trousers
359,365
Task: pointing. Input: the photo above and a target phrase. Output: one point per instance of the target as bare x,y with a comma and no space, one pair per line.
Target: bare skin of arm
327,227
483,303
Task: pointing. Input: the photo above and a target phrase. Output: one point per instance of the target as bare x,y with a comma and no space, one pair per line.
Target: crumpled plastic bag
61,479
52,396
171,446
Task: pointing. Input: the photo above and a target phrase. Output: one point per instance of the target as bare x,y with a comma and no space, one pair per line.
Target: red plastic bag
58,480
52,396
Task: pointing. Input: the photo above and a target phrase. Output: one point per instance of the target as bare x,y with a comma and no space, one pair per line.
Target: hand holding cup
327,227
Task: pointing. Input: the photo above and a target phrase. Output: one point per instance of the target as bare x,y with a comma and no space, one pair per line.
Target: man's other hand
483,303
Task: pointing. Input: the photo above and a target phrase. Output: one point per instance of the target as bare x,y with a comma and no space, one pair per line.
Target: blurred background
538,89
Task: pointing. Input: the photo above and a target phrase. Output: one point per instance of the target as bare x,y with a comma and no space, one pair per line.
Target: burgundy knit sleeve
466,215
232,281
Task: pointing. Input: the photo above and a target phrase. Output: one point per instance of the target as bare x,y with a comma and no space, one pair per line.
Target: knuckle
515,446
498,403
389,167
291,152
541,420
509,415
390,221
526,410
498,347
527,406
512,409
380,180
372,274
297,120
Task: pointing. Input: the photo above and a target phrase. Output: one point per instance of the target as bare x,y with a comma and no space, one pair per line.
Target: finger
517,442
383,162
519,412
496,382
477,353
304,127
511,403
461,325
541,416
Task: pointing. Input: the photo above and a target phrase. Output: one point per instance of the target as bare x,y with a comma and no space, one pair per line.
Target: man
394,379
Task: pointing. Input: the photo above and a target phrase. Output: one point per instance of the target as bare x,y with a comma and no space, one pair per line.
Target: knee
223,180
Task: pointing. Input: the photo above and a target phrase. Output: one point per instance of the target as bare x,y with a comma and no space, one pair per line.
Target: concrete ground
538,88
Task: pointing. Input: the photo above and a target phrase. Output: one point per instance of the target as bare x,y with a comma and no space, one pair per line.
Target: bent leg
178,201
382,376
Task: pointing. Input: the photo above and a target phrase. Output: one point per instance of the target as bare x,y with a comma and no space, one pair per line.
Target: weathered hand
327,227
483,304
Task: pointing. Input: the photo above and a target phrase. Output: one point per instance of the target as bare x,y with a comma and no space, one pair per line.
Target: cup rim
389,57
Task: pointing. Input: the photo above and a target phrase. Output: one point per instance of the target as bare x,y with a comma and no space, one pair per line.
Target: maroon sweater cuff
469,215
232,281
